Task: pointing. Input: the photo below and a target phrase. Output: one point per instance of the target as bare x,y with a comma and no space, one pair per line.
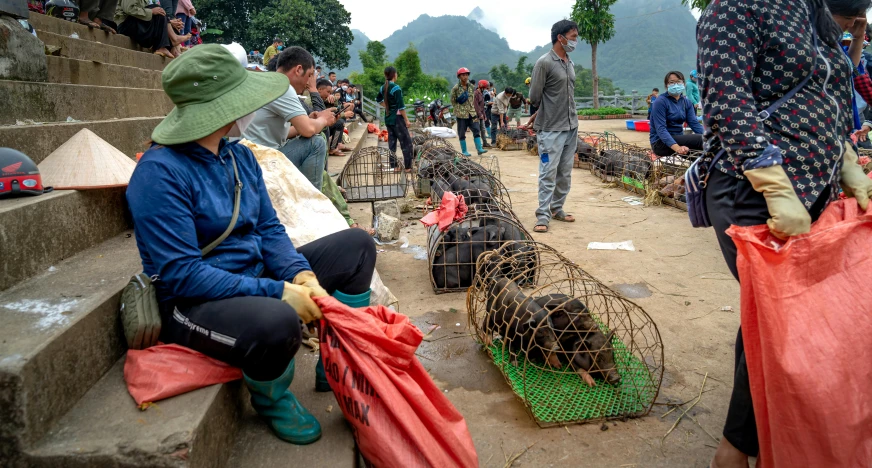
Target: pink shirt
185,7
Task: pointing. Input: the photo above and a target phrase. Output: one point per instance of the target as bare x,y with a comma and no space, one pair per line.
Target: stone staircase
64,258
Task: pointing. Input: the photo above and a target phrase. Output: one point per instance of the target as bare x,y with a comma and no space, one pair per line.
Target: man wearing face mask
241,301
284,125
552,88
668,116
272,50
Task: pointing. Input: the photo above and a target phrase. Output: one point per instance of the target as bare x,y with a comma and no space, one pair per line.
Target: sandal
90,24
564,218
541,228
164,54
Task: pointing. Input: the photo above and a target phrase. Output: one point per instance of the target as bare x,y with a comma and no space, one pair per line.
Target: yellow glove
307,279
855,183
789,216
300,298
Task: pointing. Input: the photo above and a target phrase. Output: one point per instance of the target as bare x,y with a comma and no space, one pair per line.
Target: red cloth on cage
167,370
399,416
383,136
806,325
452,208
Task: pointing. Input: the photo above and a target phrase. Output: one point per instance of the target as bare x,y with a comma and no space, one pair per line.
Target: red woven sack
163,371
807,325
398,415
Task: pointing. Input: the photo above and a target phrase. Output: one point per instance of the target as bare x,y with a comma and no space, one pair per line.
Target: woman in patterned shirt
782,169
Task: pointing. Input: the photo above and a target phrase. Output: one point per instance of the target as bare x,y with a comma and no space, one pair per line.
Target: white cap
238,51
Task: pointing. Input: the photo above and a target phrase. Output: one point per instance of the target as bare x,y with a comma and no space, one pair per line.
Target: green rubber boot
274,402
478,147
356,301
463,148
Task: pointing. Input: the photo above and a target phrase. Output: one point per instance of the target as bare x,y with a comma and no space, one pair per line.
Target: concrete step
257,447
39,140
87,72
48,24
105,428
60,335
88,50
66,221
55,102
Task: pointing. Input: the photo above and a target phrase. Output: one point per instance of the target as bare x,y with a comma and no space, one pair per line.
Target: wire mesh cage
637,170
489,162
588,148
454,252
865,159
512,138
372,174
470,179
607,164
425,163
669,178
571,349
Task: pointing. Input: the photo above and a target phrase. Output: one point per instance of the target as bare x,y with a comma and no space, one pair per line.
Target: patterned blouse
467,109
752,52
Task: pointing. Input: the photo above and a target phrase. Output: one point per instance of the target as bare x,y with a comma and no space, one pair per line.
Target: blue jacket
668,117
181,199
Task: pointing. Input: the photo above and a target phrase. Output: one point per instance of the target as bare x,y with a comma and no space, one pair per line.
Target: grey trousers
309,155
555,175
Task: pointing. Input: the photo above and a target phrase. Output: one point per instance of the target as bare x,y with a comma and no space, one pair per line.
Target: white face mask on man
240,126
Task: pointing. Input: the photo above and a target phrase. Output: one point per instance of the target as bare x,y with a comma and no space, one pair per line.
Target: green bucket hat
210,89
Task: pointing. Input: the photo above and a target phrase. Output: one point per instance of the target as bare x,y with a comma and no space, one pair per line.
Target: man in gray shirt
552,90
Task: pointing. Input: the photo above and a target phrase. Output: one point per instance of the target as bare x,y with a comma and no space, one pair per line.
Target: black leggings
692,141
399,131
262,334
463,124
732,201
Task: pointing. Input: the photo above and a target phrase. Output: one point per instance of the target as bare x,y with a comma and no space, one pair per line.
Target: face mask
676,89
240,126
569,46
280,47
345,88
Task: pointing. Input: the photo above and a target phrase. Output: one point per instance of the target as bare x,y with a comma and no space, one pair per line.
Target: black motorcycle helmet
63,9
19,175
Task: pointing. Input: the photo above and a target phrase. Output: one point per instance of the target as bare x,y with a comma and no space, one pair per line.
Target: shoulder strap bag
140,314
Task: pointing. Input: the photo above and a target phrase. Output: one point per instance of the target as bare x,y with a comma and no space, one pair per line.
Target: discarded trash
72,120
52,269
405,243
633,201
419,252
329,408
74,35
726,309
380,251
626,245
456,324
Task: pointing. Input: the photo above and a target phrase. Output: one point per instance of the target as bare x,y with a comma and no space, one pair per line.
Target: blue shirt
181,199
668,117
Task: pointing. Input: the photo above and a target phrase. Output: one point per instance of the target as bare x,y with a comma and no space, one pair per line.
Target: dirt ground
676,274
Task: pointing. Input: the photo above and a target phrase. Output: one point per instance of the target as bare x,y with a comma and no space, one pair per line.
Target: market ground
689,285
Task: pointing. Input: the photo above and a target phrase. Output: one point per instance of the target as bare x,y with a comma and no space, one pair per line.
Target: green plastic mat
561,396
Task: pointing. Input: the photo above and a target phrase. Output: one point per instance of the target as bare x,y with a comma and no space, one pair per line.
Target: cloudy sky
523,26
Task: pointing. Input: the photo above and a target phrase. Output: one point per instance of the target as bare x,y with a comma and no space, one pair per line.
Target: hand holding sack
300,298
854,182
806,328
399,416
308,279
789,216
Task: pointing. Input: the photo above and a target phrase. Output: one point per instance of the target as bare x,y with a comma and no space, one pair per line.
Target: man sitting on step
284,124
148,25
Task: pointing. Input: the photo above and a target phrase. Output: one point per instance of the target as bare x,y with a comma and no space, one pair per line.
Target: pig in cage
588,147
425,163
637,170
607,164
669,178
372,174
453,253
512,138
471,180
571,349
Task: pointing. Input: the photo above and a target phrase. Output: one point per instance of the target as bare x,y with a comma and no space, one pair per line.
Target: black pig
520,321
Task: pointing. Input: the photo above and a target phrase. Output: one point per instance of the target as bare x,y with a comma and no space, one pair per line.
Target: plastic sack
305,212
163,371
372,128
398,415
441,132
806,325
452,208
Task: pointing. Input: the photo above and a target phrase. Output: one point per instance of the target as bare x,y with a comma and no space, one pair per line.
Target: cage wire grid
373,174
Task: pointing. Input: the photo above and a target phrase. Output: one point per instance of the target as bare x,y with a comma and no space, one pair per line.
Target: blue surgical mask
676,89
280,47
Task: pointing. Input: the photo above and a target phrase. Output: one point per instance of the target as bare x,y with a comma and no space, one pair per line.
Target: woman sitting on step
148,25
243,301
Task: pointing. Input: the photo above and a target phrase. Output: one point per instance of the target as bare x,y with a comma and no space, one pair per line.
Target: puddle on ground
633,291
418,252
452,356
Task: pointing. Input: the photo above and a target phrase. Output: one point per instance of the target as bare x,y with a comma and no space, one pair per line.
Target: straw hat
86,161
211,89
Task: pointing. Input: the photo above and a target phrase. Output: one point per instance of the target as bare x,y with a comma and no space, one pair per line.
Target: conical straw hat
86,161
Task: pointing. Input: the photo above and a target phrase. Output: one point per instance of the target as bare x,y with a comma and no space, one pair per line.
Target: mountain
652,37
446,43
359,43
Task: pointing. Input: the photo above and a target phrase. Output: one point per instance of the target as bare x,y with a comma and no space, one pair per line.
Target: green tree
374,61
408,65
596,25
319,26
697,4
503,76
